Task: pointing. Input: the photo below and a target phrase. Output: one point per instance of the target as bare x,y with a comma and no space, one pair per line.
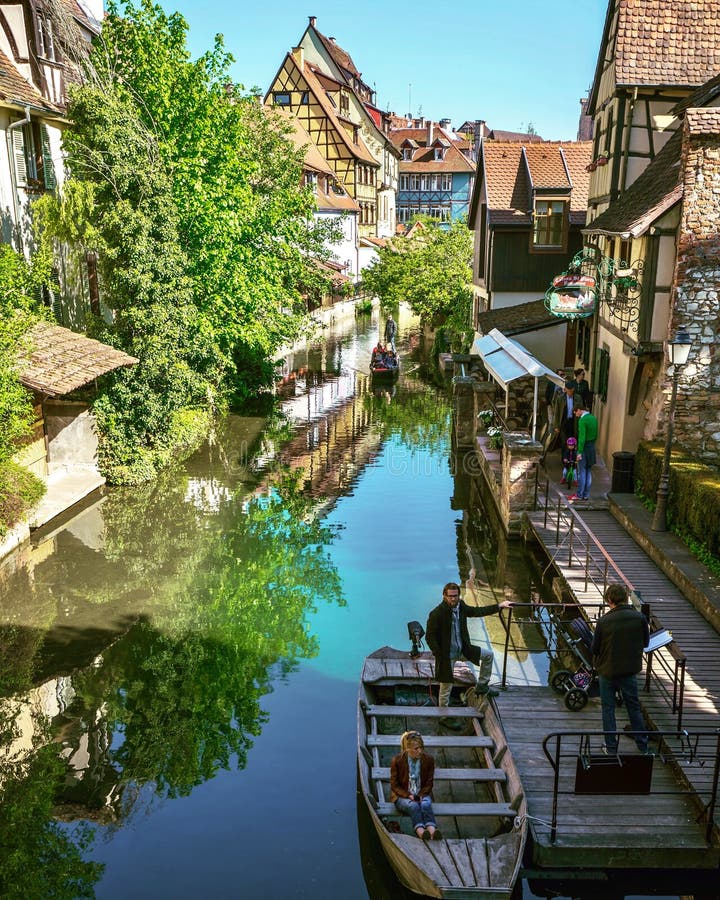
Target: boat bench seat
456,809
433,740
425,712
380,773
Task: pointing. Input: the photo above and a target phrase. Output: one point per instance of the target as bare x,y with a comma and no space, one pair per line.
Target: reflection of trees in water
181,692
39,858
176,697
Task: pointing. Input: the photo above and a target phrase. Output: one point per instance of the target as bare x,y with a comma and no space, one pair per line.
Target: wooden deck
659,830
700,643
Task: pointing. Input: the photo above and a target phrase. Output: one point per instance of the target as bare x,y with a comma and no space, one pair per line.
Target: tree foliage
430,270
20,308
191,194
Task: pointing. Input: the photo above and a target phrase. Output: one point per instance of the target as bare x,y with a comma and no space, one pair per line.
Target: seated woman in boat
411,782
378,354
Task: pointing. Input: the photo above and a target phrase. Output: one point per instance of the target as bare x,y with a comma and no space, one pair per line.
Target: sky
509,62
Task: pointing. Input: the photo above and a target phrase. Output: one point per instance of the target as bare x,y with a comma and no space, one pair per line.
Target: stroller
580,685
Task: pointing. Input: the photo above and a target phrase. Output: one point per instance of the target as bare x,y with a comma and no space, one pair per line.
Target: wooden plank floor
659,830
697,638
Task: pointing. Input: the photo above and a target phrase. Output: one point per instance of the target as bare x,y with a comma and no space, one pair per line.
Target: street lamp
678,352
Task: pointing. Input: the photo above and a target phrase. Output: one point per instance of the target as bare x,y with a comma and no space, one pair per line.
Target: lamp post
678,352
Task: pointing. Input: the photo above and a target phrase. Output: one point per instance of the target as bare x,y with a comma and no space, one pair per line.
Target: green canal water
179,661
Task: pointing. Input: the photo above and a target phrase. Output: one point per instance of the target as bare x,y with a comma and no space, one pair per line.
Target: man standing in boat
449,640
390,331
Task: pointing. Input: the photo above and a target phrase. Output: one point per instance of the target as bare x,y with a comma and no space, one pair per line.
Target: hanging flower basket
601,161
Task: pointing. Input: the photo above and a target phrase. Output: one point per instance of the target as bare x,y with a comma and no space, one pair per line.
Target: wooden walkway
655,831
697,639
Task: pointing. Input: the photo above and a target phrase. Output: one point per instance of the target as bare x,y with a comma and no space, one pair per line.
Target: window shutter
48,167
18,143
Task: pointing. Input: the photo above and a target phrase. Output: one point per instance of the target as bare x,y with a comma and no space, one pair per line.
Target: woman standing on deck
411,782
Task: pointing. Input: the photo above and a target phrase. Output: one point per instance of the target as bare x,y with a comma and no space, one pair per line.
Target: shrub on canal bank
20,490
693,501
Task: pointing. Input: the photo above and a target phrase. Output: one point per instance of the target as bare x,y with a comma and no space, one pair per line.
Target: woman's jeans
421,813
627,685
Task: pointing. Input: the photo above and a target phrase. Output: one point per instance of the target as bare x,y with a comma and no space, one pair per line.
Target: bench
454,809
432,740
380,773
425,712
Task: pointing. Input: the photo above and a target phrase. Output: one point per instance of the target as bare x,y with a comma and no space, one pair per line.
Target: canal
179,661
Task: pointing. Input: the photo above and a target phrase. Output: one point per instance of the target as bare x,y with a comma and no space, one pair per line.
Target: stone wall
696,288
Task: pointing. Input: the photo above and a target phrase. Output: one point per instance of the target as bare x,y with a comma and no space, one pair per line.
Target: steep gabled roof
506,169
17,90
657,189
497,135
340,57
661,43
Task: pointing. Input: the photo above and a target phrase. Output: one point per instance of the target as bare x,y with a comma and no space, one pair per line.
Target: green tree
430,270
191,193
20,288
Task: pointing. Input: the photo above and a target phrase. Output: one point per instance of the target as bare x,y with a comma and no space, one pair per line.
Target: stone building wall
696,288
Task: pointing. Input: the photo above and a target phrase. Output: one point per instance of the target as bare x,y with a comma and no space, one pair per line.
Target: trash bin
623,472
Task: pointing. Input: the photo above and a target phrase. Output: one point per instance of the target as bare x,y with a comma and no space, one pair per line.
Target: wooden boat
383,371
478,800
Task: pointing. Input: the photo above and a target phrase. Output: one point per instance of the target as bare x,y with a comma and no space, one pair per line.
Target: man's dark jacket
439,632
620,637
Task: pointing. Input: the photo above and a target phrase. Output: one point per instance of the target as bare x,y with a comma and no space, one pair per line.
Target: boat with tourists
384,363
478,800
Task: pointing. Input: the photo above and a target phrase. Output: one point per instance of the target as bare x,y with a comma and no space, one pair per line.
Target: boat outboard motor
416,633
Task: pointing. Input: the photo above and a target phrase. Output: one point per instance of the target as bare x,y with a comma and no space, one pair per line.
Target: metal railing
584,550
669,659
697,747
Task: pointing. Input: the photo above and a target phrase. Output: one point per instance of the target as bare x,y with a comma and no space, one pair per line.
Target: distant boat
385,367
478,800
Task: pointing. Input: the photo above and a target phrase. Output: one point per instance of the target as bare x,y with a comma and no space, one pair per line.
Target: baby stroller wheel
560,681
575,699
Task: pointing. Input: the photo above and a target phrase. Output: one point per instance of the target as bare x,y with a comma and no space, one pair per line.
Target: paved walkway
682,593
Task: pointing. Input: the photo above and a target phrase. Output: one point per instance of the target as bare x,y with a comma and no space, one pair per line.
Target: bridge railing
577,752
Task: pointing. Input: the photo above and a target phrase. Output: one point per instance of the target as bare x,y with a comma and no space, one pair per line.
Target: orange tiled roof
649,196
341,57
15,88
703,121
423,155
667,42
507,177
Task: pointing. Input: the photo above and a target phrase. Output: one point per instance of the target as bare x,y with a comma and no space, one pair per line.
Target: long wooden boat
478,800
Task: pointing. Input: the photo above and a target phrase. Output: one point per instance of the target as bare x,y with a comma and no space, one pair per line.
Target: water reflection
178,663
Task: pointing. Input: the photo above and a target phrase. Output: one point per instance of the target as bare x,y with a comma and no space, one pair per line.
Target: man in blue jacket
620,637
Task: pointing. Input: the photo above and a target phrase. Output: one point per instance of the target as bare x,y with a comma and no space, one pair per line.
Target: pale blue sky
509,62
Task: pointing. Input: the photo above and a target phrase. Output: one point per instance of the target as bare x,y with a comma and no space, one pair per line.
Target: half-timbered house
527,210
436,172
652,221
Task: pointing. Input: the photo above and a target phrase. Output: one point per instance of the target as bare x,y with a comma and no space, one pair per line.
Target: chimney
299,56
332,40
429,132
445,123
312,20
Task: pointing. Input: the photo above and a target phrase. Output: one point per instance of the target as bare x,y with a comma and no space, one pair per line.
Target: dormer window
439,153
550,225
407,153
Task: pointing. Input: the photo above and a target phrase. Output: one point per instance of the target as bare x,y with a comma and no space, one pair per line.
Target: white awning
507,360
